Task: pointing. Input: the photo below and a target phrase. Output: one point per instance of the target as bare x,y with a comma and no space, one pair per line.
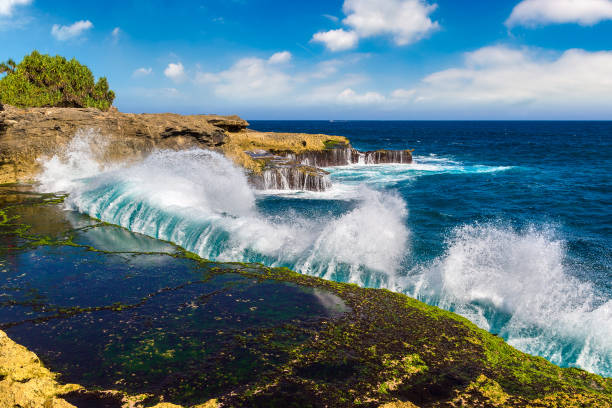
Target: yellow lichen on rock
210,404
483,392
398,404
237,143
25,382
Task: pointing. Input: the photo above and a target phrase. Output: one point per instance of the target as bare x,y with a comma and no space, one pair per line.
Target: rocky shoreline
186,332
168,329
272,160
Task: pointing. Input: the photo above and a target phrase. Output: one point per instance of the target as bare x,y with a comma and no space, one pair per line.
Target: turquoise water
506,223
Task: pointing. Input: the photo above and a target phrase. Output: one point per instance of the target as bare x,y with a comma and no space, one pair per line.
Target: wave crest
515,283
202,201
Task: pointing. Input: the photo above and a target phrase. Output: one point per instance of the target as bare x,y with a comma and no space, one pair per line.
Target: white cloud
280,57
407,21
141,72
175,72
350,97
249,78
496,56
63,33
7,6
325,69
116,35
331,18
501,77
403,94
337,40
541,12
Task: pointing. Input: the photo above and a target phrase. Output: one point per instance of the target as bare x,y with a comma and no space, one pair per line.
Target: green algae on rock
183,331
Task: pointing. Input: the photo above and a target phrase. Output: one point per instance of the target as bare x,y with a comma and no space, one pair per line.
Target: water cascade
302,171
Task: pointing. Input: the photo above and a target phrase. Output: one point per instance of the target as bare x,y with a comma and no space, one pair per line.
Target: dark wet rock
336,154
343,154
285,170
382,157
282,173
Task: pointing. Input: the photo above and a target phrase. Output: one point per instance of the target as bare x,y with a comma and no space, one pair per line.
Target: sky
333,59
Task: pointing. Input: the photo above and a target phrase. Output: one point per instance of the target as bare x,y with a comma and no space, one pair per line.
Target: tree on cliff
43,80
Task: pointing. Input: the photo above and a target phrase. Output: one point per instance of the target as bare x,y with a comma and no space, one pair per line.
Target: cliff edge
29,134
272,160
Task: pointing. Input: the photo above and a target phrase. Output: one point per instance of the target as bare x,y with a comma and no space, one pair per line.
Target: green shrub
43,80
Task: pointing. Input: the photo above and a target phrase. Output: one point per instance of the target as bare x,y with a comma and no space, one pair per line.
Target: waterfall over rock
301,171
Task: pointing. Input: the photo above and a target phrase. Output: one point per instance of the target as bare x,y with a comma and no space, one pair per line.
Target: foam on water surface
515,283
201,201
512,281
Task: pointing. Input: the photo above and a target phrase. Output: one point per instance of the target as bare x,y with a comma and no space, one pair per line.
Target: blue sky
346,59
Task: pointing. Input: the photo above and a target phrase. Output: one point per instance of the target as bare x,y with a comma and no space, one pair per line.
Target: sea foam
202,201
513,282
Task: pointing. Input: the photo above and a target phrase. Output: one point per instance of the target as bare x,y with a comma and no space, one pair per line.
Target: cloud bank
503,76
532,13
250,78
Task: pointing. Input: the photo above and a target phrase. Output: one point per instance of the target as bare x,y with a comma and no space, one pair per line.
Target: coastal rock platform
186,332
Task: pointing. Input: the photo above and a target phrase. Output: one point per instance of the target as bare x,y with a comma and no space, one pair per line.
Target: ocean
506,223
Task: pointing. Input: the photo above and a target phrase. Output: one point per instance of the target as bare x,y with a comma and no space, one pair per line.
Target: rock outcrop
342,154
285,161
290,171
25,382
28,134
281,173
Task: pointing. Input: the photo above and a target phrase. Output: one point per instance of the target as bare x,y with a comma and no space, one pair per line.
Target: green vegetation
44,81
334,143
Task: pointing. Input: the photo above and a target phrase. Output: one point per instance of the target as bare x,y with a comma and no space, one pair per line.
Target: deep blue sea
506,223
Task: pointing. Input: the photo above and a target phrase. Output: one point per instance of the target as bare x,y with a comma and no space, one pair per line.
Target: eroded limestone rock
28,134
25,382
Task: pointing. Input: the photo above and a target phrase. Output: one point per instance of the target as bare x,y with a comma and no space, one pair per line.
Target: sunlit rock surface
29,134
291,161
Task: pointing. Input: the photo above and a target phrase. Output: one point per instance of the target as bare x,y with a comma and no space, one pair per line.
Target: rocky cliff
272,160
28,134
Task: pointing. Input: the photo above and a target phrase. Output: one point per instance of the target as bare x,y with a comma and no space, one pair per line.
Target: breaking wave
513,282
201,201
